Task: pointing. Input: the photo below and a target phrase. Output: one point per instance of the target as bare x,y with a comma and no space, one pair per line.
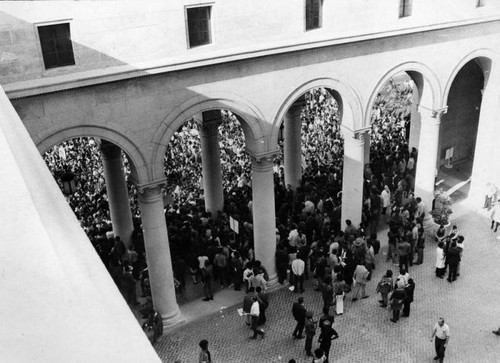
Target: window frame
405,8
211,30
40,49
306,14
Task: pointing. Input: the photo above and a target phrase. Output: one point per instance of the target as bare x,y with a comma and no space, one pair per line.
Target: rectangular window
405,8
313,14
57,49
480,3
199,29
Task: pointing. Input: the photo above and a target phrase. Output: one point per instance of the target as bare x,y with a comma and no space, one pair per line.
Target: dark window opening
198,20
405,8
57,49
313,14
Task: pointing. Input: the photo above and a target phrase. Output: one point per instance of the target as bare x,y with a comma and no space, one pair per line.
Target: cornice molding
62,83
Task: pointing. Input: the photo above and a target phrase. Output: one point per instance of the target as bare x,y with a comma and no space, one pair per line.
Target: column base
429,225
272,283
171,319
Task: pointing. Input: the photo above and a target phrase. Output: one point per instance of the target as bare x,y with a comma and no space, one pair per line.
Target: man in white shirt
254,313
201,260
442,333
293,237
298,267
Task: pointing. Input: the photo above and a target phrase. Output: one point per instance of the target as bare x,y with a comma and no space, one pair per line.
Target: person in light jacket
386,198
440,260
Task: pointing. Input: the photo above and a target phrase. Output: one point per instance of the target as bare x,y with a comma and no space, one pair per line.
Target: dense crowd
308,219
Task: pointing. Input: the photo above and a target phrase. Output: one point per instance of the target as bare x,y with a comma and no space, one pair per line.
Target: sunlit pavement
469,305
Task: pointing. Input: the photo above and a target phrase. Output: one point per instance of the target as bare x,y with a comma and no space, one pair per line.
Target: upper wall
130,35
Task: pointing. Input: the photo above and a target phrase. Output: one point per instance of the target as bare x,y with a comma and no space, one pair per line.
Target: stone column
366,147
352,180
158,252
415,120
292,150
427,157
210,158
264,216
117,191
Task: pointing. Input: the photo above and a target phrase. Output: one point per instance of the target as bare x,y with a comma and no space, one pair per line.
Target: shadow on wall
21,55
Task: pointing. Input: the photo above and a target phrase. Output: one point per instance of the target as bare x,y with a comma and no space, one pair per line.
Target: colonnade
356,154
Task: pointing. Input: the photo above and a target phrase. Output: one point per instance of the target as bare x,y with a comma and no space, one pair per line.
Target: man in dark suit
299,313
453,259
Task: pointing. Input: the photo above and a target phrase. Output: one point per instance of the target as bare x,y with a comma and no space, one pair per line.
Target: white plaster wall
145,111
59,303
109,34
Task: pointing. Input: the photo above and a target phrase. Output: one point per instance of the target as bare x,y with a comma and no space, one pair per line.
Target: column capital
263,158
433,113
110,151
360,133
152,190
209,122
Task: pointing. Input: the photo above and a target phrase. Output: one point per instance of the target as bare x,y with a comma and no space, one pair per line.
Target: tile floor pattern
469,306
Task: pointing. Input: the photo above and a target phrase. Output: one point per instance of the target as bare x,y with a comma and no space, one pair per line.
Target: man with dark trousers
281,263
441,332
310,327
453,259
299,314
404,251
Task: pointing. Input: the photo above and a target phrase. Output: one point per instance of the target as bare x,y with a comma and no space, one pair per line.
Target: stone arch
348,100
139,170
421,75
248,115
484,58
478,126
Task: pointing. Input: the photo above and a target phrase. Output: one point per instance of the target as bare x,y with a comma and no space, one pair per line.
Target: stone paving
366,333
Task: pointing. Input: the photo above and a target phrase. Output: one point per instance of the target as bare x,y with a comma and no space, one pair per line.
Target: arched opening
208,202
310,166
459,128
393,146
95,176
399,180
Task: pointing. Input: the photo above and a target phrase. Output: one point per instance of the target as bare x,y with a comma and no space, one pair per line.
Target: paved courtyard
469,306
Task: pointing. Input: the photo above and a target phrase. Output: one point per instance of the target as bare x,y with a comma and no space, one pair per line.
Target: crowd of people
309,238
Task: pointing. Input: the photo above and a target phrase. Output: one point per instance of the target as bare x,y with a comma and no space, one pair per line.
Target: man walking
325,339
255,313
361,278
420,246
442,333
299,313
409,290
206,280
298,267
453,259
385,287
397,298
263,300
440,258
310,331
281,262
404,251
205,356
247,305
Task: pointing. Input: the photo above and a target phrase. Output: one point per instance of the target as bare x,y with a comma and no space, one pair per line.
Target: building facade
132,75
